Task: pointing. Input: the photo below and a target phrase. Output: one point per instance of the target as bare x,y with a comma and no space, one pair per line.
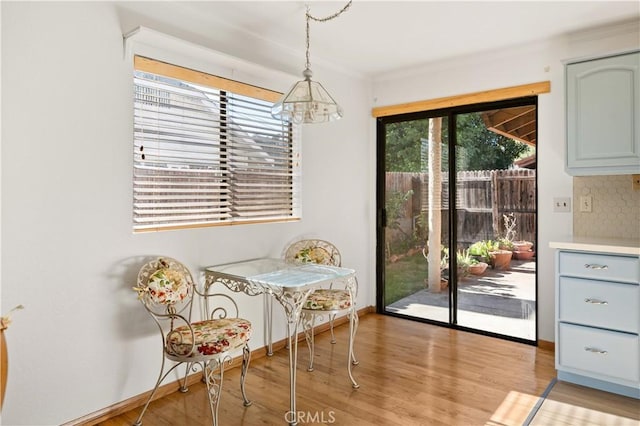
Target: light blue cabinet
603,115
598,320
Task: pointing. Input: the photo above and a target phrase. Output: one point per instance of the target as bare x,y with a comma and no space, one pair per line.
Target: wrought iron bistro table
290,284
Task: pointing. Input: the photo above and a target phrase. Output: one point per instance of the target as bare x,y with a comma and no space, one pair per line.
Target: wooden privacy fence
482,198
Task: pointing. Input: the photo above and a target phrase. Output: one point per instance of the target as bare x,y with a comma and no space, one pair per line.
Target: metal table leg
268,305
292,302
292,325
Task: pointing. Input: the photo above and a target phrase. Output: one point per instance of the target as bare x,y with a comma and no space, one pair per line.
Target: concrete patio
499,301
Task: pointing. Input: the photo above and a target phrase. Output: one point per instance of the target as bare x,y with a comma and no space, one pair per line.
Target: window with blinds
208,152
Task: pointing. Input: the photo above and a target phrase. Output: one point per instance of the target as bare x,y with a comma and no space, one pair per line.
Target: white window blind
208,152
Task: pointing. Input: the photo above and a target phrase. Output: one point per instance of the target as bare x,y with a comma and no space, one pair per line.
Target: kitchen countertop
608,245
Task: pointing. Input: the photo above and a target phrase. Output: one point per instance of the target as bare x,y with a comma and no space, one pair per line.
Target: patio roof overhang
517,123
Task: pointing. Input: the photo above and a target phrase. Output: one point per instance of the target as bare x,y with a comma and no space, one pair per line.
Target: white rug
568,404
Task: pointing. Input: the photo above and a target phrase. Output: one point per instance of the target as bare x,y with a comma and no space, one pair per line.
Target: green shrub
481,249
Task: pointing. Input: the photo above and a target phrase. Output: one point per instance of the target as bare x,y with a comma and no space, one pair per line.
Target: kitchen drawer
600,303
600,266
598,351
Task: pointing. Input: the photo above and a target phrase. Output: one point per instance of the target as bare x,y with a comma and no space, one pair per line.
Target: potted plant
524,254
444,267
500,259
444,260
480,250
505,244
521,249
463,259
522,245
490,250
471,264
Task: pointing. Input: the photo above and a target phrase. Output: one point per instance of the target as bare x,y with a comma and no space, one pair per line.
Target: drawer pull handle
596,301
595,266
595,350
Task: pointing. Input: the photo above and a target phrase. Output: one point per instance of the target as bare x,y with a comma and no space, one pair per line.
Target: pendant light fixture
307,101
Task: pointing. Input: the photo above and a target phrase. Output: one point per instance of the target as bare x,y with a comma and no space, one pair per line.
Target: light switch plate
586,203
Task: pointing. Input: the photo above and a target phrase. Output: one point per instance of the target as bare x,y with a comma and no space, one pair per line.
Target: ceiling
372,37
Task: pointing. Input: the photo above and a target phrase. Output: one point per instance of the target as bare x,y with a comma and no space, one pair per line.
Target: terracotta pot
500,259
524,255
522,245
478,268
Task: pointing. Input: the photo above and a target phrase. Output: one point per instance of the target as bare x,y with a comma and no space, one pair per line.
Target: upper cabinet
603,115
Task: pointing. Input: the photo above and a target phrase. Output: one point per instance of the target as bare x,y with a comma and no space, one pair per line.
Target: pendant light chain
310,17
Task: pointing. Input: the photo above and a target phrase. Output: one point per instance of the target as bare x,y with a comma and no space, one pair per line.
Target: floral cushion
167,286
328,300
314,255
211,336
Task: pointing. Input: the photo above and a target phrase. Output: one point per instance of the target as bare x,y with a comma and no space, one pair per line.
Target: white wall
83,341
529,63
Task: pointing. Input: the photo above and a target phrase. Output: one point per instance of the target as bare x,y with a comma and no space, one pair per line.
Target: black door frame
381,219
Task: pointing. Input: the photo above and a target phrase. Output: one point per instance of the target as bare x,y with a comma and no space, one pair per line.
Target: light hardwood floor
410,373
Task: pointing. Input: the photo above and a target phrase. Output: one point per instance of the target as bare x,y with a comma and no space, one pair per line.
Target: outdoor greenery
505,244
402,277
481,249
463,261
395,206
482,149
478,148
403,145
403,240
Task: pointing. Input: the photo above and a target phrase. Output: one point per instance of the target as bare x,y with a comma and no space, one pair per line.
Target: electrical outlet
636,182
562,204
586,203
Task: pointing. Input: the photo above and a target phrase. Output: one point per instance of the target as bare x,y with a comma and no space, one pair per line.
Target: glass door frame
381,220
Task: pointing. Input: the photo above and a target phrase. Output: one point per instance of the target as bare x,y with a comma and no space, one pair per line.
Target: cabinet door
603,104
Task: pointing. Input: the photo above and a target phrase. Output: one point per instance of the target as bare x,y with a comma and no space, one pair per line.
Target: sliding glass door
457,203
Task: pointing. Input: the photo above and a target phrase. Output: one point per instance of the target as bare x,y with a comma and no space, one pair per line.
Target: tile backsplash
615,207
